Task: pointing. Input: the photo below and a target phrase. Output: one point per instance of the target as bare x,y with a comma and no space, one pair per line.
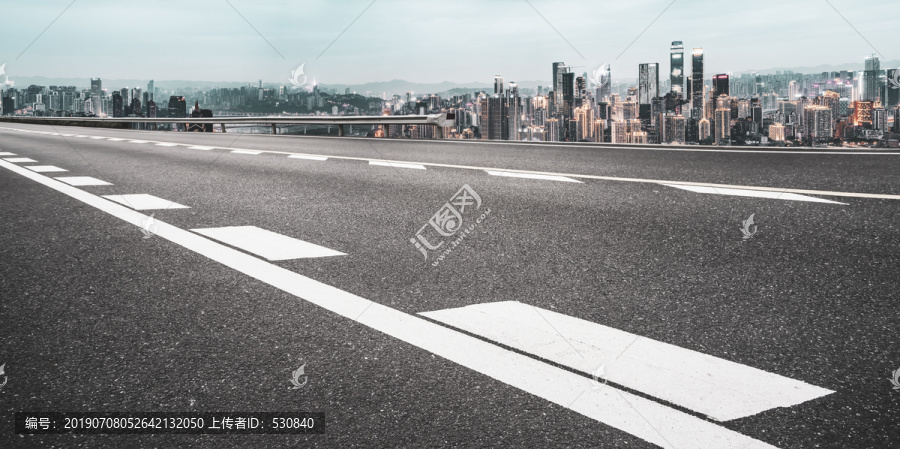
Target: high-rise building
720,85
150,89
697,82
776,132
880,119
871,82
703,129
862,112
648,82
96,94
892,88
559,69
567,89
177,107
723,126
676,62
818,124
793,91
498,85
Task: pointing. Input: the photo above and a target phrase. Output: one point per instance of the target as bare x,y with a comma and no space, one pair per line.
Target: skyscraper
559,69
793,91
648,82
567,91
498,85
720,85
96,93
697,82
676,61
892,91
871,83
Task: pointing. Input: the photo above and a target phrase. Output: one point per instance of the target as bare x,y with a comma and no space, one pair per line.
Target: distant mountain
859,65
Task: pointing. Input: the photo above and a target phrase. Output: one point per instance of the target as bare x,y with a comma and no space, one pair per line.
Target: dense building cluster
687,107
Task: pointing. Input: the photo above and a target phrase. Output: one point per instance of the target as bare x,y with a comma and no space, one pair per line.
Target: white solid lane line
312,158
251,152
18,159
82,181
622,410
397,165
532,176
718,388
752,193
143,201
267,244
44,168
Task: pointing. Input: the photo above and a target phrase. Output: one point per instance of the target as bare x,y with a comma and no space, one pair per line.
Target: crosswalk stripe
143,201
752,193
397,165
267,244
718,388
532,176
671,429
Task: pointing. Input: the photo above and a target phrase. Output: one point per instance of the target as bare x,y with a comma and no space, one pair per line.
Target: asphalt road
95,317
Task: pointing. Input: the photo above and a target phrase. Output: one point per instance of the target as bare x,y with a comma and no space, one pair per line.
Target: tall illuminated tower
697,82
676,61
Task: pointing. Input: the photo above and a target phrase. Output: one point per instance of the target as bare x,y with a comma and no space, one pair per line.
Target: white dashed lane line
715,387
82,181
311,158
143,201
198,147
138,141
397,165
753,193
6,153
18,159
45,168
267,244
166,144
250,152
532,176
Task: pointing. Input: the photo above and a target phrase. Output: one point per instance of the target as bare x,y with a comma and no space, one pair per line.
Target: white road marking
97,137
166,144
718,388
752,193
79,135
671,428
138,141
45,168
197,147
312,158
115,139
82,181
6,153
532,176
18,159
638,180
143,201
268,244
397,165
246,152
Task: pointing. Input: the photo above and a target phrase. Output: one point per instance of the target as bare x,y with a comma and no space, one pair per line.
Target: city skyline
262,41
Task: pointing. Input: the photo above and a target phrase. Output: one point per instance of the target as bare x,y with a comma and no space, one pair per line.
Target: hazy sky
429,41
